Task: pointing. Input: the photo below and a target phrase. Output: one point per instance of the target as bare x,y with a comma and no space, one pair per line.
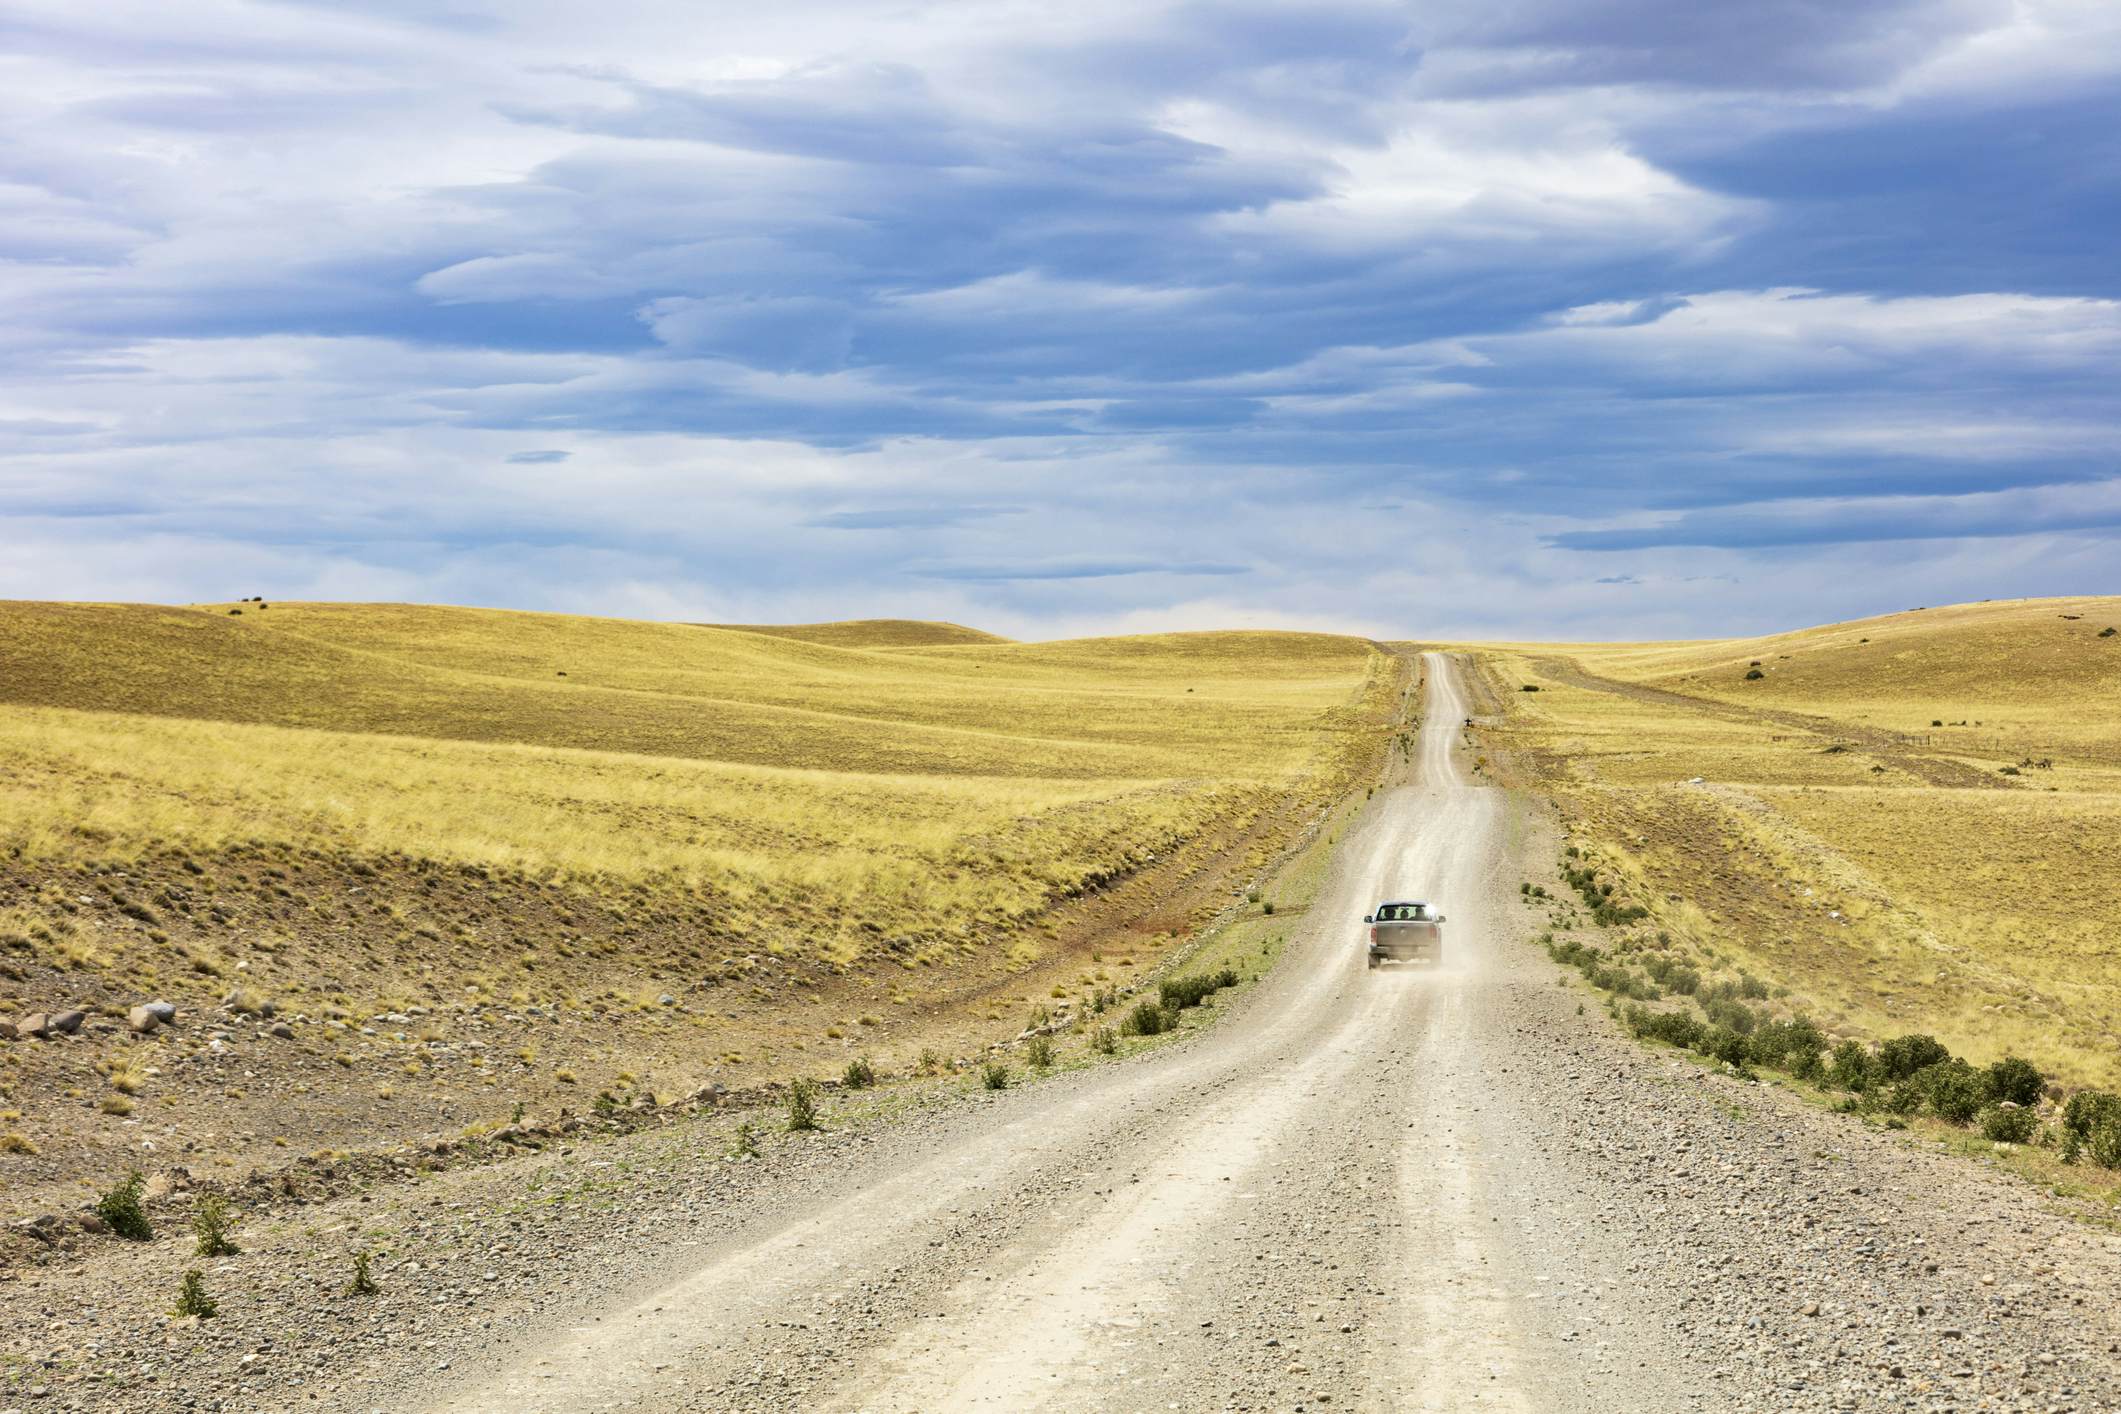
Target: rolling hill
1909,820
707,846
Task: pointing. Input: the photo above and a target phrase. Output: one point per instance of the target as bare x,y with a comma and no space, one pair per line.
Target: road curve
1421,1189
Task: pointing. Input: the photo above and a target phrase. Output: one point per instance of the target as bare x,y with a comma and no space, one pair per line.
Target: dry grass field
1913,821
681,853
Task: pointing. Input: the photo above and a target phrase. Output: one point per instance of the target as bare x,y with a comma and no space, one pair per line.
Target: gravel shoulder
1417,1189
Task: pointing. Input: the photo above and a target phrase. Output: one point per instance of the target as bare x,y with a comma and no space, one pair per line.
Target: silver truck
1404,931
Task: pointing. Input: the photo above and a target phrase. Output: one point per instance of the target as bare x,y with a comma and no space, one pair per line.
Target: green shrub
1956,1090
1179,993
745,1143
2009,1125
1905,1056
192,1299
364,1281
859,1075
1039,1052
2087,1108
802,1107
120,1207
2104,1144
1723,1044
210,1223
1778,1043
1807,1065
1902,1097
1850,1069
1732,1015
1104,1041
2014,1080
1147,1019
994,1076
1675,1028
1673,975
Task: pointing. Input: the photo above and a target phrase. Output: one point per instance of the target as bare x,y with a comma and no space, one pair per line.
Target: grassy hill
874,633
707,844
1908,819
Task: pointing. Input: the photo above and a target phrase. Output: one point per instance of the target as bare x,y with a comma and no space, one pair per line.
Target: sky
1469,318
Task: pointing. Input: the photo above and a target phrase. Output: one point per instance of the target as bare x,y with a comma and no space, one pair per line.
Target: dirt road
1416,1189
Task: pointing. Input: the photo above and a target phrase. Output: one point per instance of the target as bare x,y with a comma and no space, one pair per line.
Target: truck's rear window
1401,913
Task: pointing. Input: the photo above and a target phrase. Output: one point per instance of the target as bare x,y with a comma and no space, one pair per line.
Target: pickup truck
1404,931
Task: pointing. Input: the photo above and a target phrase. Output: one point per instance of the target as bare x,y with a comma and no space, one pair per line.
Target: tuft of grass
1039,1053
859,1075
994,1076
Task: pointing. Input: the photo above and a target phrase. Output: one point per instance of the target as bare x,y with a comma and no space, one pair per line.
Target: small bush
1781,1043
1807,1066
745,1143
1179,993
1104,1041
1754,675
1850,1069
1673,975
192,1299
1267,907
2104,1144
210,1224
1956,1090
931,1061
2087,1108
1901,1097
1732,1015
802,1107
2017,1081
1676,1028
2009,1126
364,1281
1905,1056
1723,1044
2091,1122
1147,1019
120,1207
859,1075
994,1076
1039,1053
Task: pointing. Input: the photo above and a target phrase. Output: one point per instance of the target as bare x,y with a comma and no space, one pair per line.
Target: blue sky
1535,318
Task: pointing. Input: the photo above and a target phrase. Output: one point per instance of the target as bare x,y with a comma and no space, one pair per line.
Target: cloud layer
1541,318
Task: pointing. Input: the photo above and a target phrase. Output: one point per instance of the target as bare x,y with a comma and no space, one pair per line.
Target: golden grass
804,789
873,633
1886,870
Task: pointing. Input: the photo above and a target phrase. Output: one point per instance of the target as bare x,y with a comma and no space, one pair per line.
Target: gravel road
1416,1189
1423,1189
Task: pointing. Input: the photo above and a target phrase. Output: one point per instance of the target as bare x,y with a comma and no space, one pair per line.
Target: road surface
1420,1189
